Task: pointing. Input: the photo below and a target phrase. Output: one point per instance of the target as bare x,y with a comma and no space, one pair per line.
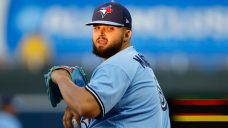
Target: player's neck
125,45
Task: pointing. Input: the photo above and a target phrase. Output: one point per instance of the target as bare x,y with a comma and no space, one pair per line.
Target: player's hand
71,118
58,74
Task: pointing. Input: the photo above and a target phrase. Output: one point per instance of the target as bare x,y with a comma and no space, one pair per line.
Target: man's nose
102,32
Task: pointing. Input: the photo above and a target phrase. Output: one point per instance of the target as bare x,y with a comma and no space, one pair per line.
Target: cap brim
105,22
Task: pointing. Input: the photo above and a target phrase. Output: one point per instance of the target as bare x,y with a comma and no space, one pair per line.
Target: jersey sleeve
108,84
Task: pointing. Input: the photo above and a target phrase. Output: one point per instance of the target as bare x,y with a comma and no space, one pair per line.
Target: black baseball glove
77,74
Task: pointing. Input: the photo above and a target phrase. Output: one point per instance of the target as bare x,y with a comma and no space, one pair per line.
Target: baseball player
123,91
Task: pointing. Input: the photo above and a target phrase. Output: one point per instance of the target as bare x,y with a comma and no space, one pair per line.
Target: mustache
102,37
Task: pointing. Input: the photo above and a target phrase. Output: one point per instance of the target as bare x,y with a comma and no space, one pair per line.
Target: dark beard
109,51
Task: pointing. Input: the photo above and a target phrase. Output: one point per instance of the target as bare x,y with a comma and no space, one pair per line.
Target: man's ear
127,35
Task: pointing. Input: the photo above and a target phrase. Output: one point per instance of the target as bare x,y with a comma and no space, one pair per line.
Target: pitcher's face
107,40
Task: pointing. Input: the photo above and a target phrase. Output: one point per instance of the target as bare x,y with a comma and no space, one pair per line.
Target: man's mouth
101,41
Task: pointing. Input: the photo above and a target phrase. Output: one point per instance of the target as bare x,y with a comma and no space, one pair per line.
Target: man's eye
110,28
95,28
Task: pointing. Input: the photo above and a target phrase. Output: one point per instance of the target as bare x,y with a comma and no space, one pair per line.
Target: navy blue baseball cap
111,13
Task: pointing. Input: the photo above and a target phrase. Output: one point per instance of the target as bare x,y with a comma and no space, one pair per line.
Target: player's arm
77,98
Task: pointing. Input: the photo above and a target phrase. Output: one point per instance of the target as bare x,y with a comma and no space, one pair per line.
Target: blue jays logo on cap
105,10
111,13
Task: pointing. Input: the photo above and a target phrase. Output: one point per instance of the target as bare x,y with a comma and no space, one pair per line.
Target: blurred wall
3,14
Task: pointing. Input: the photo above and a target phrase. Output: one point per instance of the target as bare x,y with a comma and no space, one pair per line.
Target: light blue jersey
128,93
9,121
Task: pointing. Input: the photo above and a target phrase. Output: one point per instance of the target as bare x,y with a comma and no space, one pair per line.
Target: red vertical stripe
201,102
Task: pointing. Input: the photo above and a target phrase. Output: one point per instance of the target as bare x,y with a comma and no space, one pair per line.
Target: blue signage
190,28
